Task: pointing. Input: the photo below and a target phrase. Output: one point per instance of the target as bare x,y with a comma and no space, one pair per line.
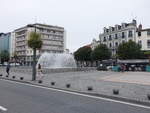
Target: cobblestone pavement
131,85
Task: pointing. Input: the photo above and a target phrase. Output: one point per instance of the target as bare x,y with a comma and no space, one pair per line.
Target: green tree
4,56
129,50
35,43
83,54
101,52
15,55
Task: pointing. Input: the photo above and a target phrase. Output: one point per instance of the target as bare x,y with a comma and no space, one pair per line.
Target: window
113,29
130,34
140,42
119,27
110,37
148,43
148,32
116,36
107,30
116,44
139,33
110,45
104,39
123,35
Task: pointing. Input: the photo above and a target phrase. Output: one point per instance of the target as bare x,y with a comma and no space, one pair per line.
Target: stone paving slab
131,85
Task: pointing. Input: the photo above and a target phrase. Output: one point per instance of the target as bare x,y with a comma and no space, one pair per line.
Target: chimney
140,27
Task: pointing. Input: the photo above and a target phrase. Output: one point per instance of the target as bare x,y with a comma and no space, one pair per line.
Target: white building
94,44
113,36
143,38
12,44
53,38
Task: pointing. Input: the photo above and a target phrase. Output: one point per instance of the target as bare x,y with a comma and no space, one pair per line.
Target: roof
147,29
33,25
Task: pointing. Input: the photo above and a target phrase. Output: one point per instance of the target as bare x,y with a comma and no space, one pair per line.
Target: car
102,68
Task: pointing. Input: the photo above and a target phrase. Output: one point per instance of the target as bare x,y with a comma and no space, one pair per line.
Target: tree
129,50
35,43
101,52
83,54
4,56
15,55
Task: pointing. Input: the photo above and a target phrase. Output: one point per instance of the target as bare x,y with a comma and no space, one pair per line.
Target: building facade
94,44
53,38
5,41
113,36
143,38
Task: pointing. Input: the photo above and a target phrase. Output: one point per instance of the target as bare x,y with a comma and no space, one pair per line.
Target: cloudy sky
82,19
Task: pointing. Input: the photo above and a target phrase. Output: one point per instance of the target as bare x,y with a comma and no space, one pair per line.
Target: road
23,98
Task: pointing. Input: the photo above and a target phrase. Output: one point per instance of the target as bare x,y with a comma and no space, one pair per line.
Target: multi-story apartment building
113,36
53,38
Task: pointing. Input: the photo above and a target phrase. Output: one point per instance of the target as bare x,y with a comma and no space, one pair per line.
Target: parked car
102,67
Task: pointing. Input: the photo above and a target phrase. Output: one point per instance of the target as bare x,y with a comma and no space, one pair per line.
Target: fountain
57,60
58,63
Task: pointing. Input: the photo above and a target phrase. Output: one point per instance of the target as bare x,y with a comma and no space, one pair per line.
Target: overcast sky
82,19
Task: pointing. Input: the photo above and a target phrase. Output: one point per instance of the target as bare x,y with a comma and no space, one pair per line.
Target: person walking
39,71
8,68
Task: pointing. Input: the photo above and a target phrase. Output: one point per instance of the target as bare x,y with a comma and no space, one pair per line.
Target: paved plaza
131,85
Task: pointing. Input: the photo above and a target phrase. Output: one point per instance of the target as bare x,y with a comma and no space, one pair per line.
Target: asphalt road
21,98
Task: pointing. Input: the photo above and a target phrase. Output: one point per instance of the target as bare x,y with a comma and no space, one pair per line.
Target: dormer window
139,34
119,27
113,29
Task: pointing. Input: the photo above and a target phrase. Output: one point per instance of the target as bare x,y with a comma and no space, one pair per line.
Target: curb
118,98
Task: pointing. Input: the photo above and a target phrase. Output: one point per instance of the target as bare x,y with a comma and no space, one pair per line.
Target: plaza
131,85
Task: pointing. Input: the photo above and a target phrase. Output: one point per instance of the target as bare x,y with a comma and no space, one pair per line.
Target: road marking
80,94
2,108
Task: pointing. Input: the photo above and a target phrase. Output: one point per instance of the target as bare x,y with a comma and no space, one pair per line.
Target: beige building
53,38
143,38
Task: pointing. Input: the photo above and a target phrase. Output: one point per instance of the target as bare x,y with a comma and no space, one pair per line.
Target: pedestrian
8,68
39,71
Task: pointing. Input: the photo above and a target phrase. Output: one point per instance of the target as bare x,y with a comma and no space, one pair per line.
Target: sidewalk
131,85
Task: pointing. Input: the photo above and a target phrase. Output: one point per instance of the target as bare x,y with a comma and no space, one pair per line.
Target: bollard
13,77
1,75
115,91
148,96
7,76
40,81
89,88
68,85
21,78
52,83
